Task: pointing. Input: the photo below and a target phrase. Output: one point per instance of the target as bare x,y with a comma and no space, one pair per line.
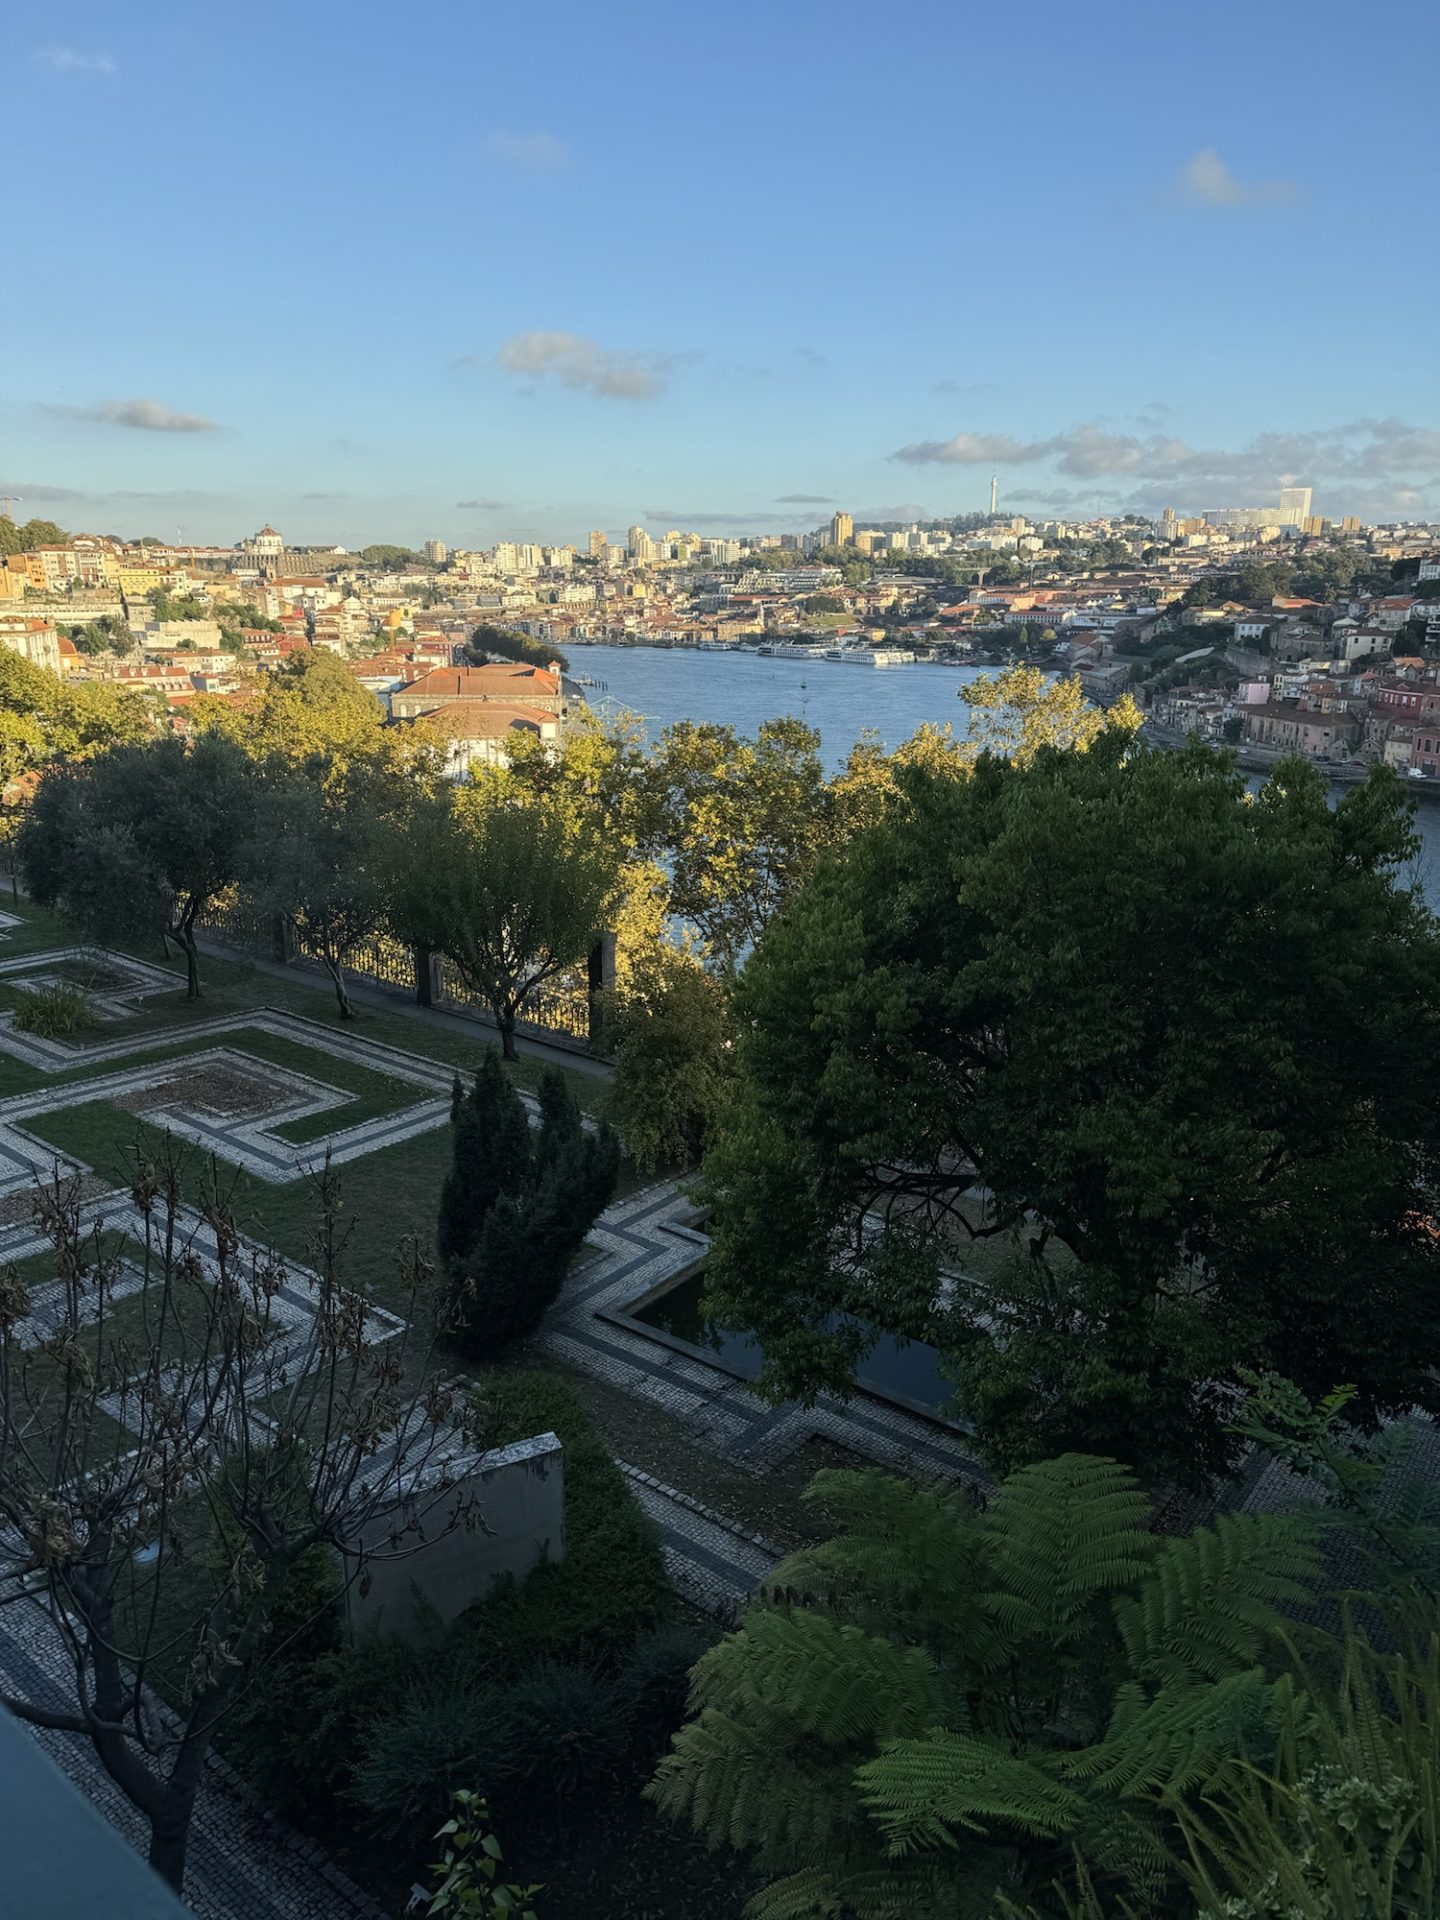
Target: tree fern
918,1790
1062,1533
1212,1601
1175,1740
805,1672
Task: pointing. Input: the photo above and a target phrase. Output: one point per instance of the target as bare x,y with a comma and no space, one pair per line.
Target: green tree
517,1205
940,1702
44,718
490,1155
669,1033
511,895
141,840
503,643
326,837
311,706
1095,988
741,822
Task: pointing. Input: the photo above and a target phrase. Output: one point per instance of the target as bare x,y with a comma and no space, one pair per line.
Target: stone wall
510,1505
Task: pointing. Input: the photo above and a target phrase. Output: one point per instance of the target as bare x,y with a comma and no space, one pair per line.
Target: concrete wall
512,1508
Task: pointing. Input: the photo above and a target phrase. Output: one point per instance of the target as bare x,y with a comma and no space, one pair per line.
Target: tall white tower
994,491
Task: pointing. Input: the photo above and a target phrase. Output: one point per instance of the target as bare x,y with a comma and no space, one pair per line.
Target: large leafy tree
945,1700
141,840
1173,1046
742,822
312,705
44,719
327,837
512,895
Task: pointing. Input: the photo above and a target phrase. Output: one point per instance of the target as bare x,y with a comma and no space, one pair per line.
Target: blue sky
482,272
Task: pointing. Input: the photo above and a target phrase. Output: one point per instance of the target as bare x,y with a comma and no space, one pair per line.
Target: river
665,684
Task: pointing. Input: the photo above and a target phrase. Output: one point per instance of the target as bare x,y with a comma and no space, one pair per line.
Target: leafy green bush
441,1737
55,1013
569,1729
611,1585
394,1727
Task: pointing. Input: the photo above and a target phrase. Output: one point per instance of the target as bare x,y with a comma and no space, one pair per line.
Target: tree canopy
312,705
1100,1013
511,895
140,841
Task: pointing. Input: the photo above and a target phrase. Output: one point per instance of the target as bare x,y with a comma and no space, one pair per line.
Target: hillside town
1271,629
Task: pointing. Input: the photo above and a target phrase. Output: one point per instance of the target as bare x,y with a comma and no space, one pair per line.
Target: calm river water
664,684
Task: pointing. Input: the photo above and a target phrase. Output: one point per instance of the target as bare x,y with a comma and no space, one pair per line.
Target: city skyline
386,298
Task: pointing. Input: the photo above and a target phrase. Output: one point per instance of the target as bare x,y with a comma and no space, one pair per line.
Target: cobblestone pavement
647,1242
244,1863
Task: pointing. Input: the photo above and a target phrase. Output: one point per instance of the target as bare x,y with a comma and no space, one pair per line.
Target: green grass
230,986
386,1196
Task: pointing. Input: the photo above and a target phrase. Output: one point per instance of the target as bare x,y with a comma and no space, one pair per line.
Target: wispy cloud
530,152
572,360
810,357
73,60
1371,459
733,522
806,499
1206,181
149,416
483,506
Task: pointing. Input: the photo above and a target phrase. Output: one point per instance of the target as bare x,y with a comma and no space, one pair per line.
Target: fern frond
806,1673
1212,1600
910,1553
738,1788
918,1790
1062,1532
1175,1741
900,1890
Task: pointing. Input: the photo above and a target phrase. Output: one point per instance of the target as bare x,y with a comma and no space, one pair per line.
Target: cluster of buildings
1347,680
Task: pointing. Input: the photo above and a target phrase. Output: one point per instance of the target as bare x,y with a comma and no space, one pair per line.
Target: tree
325,841
174,1454
44,718
511,895
1017,713
742,824
504,643
669,1033
34,533
141,840
943,1700
517,1205
490,1154
1116,997
312,705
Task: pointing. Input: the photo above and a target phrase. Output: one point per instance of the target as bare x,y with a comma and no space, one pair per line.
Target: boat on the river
871,656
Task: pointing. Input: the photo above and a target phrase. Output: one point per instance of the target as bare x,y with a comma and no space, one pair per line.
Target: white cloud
72,60
150,416
1380,462
574,361
530,152
484,506
1206,181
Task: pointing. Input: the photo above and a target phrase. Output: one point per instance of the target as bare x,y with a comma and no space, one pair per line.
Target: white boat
871,656
793,650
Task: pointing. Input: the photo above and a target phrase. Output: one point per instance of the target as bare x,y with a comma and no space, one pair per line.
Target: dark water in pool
901,1369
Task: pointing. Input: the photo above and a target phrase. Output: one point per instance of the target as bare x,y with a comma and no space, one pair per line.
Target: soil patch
17,1209
228,1092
